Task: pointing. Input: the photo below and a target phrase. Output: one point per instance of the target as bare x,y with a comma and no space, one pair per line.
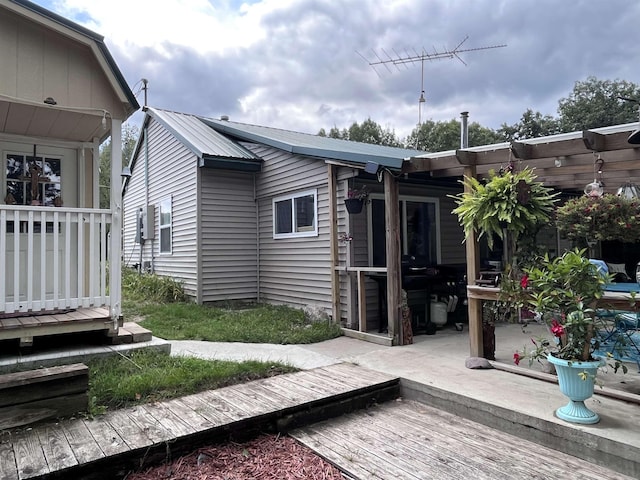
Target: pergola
567,162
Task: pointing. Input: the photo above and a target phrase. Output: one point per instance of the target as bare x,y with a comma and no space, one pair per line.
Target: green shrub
151,287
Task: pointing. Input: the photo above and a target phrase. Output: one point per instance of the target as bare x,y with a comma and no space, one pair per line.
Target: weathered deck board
30,458
411,440
82,443
169,420
120,440
8,467
110,441
57,451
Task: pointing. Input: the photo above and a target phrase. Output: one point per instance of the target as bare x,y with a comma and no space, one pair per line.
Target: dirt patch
268,457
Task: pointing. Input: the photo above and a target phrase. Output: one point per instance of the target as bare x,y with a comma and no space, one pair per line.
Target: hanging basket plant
508,204
609,217
355,200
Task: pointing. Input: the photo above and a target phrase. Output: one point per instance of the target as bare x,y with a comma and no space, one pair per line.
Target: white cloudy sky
295,64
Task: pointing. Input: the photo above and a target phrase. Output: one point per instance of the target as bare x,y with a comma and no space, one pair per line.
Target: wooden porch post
474,304
333,242
115,272
394,277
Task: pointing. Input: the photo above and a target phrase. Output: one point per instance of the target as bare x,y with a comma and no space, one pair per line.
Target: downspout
255,199
146,187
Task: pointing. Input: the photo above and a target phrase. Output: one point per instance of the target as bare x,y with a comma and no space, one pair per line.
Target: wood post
333,242
394,275
474,304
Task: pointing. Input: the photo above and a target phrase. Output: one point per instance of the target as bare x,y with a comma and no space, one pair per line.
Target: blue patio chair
621,338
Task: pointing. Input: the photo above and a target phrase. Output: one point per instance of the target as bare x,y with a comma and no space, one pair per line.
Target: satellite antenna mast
414,57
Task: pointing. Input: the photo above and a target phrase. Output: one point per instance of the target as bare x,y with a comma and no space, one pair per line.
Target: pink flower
516,358
524,281
556,328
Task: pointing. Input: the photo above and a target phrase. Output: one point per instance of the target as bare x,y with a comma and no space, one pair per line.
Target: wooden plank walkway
129,439
409,440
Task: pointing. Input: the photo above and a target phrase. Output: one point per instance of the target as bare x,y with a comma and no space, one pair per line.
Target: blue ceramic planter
576,389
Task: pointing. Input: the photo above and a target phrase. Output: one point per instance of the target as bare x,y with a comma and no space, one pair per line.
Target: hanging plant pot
354,205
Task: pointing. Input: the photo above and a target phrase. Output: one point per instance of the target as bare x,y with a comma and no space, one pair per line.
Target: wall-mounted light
126,172
560,161
371,167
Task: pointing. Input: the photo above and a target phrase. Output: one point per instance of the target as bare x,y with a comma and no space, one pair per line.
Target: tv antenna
413,57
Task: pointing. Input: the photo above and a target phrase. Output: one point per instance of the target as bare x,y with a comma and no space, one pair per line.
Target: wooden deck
26,327
409,440
126,440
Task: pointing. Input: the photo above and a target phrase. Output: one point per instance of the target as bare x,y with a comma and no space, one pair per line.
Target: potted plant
564,291
587,220
356,197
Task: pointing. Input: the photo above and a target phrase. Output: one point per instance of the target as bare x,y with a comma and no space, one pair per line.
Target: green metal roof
307,144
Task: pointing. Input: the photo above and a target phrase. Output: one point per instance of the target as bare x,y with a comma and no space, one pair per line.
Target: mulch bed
264,458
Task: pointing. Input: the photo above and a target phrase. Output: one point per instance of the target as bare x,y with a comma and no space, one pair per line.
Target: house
61,96
241,212
246,212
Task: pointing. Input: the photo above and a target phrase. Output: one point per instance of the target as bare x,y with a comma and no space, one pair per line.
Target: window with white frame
165,225
419,229
296,215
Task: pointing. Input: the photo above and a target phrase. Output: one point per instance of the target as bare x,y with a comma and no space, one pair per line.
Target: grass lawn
149,375
256,324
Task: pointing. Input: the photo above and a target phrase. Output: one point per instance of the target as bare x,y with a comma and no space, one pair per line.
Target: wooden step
131,332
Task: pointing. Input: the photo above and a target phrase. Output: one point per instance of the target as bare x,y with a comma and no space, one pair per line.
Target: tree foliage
367,132
129,138
595,103
531,125
440,136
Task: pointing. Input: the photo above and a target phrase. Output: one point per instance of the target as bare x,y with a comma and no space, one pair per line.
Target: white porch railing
52,258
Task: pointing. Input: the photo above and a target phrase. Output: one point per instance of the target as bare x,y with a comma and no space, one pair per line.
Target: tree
531,125
129,138
440,136
367,132
596,103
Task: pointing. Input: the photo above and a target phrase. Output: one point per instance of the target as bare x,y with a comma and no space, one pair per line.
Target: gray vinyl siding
293,271
228,236
172,173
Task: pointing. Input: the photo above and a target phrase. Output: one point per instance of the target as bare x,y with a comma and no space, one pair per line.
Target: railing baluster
103,259
30,233
67,261
16,261
43,261
56,260
81,275
92,255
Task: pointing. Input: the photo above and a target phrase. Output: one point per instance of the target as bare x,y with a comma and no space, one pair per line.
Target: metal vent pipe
464,130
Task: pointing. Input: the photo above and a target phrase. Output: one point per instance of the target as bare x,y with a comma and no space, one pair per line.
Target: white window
165,225
296,215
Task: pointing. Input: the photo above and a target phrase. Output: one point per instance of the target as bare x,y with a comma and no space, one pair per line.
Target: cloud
304,64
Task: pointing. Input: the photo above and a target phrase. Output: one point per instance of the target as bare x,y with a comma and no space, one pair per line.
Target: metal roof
203,140
314,145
